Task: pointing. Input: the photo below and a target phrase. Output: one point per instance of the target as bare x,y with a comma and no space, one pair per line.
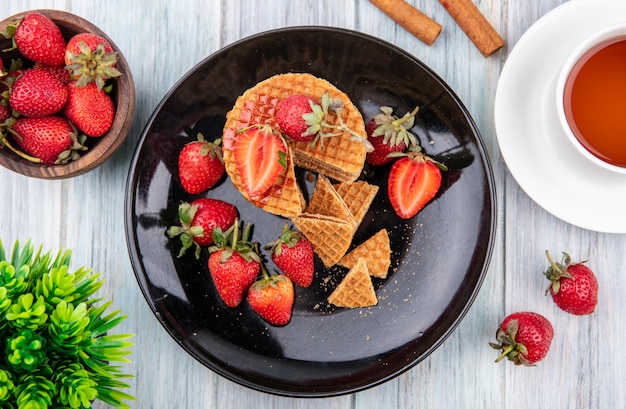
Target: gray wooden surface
164,39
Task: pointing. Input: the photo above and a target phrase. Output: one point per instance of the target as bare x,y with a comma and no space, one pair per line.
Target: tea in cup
591,98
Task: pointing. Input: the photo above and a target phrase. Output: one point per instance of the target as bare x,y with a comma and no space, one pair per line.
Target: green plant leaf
56,337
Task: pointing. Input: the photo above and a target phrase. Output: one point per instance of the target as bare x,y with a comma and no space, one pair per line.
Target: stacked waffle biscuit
333,212
340,158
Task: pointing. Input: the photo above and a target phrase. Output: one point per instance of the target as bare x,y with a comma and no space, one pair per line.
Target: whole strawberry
574,286
91,59
37,93
200,165
272,298
90,109
290,117
50,139
234,264
524,338
198,219
388,133
293,254
5,113
59,73
39,39
293,116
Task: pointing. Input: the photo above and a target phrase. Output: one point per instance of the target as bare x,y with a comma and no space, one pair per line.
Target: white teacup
592,138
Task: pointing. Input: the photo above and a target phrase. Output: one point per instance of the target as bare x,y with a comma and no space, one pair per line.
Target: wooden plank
162,40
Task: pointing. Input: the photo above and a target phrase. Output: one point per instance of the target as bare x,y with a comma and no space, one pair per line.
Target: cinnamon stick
475,25
411,19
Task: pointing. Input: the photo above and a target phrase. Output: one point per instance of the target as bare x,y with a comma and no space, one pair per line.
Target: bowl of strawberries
67,96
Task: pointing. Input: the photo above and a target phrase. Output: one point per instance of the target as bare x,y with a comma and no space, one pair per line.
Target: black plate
439,257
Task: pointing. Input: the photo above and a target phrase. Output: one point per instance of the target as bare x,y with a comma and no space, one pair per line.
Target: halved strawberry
414,180
260,155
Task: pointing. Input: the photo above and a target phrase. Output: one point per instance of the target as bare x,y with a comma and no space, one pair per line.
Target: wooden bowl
123,95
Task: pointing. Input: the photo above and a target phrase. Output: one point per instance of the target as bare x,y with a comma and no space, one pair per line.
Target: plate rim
490,188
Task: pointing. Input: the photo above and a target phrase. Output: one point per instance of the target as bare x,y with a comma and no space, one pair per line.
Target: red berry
40,40
289,116
5,113
413,181
45,138
388,134
233,264
524,338
574,286
200,165
199,219
90,109
272,298
37,93
91,59
59,73
89,40
294,255
380,155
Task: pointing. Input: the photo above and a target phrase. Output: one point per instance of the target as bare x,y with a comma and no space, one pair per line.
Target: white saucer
536,150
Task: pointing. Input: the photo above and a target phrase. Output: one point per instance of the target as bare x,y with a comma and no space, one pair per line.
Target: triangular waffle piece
375,251
287,199
325,200
339,157
356,288
358,196
329,236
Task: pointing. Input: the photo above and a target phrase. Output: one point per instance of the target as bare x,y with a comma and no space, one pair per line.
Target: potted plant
56,349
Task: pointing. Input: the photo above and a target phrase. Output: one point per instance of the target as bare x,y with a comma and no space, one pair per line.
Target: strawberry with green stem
524,338
49,140
414,180
198,219
316,124
200,165
272,297
573,285
234,263
294,255
290,113
91,59
387,133
37,38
